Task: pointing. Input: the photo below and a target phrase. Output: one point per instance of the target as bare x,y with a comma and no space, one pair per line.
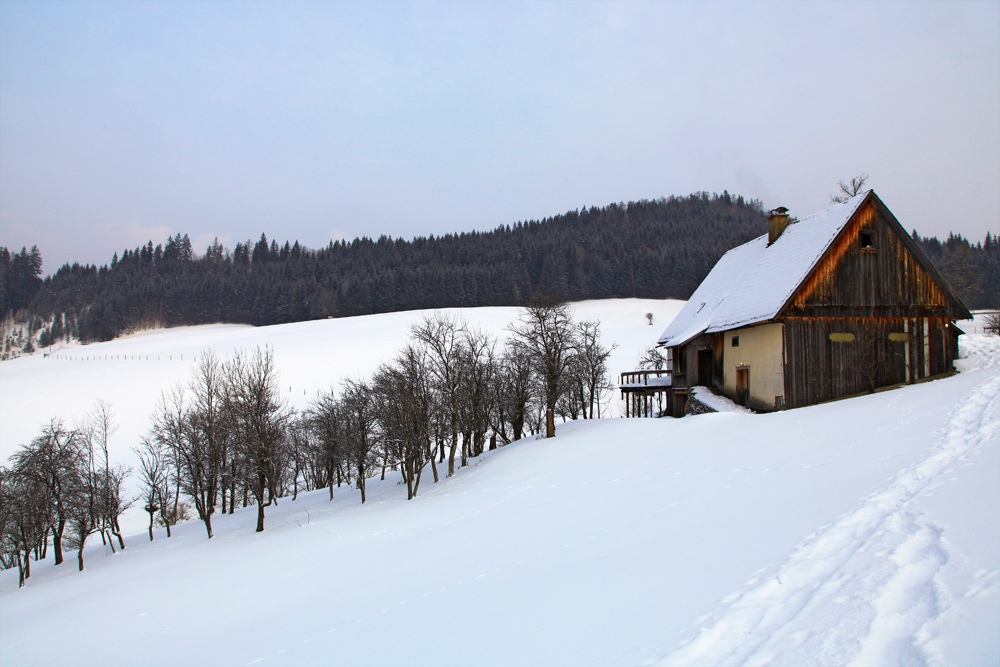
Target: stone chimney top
777,221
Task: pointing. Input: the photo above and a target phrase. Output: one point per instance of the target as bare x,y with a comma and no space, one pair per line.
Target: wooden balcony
646,393
639,379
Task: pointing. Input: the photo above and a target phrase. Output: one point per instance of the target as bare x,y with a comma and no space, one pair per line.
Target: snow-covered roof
752,282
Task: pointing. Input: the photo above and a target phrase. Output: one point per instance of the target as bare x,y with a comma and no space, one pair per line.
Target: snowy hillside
864,531
132,371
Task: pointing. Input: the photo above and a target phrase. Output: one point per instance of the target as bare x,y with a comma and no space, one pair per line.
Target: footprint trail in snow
861,591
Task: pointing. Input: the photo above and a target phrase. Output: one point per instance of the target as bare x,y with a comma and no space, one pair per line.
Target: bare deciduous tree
651,359
325,421
993,322
86,514
477,370
404,405
53,463
97,430
514,392
361,435
441,336
153,476
544,334
258,419
27,512
591,365
848,190
204,439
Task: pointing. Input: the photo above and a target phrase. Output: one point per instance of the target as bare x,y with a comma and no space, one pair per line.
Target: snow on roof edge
752,282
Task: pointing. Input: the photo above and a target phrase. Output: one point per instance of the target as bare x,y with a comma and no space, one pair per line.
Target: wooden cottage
842,302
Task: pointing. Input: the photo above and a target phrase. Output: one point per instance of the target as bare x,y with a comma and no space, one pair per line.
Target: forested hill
657,249
651,249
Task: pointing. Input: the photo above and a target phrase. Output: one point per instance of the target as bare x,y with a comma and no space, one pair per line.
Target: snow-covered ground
864,532
130,373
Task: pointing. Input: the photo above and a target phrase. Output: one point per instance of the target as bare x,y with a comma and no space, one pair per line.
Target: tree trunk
416,483
260,517
118,533
550,423
151,525
518,426
434,464
407,470
451,454
208,525
79,552
57,541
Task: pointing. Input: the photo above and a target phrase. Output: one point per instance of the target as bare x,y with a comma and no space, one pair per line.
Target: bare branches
848,190
258,420
153,474
544,335
993,322
360,422
651,359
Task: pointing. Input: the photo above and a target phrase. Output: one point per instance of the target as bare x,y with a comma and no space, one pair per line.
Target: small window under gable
736,341
868,241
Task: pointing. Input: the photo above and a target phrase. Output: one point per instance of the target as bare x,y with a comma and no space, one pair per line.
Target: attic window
736,341
868,241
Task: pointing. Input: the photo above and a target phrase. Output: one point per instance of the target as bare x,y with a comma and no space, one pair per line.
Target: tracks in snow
860,591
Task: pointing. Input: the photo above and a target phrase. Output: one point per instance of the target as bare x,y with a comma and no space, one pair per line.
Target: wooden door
705,368
743,386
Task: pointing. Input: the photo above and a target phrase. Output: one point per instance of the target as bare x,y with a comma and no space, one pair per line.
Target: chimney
777,220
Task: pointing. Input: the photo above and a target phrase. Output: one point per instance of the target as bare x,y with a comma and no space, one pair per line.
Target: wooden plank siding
889,312
870,287
884,280
819,369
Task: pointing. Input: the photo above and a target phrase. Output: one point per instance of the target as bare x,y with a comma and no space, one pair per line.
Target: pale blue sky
121,122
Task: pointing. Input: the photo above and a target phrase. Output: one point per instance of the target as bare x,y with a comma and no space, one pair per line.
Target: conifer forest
658,248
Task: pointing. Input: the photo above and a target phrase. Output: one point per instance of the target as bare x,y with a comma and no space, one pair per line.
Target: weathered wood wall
883,280
819,369
870,292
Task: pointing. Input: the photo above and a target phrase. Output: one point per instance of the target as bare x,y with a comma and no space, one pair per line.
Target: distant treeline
651,249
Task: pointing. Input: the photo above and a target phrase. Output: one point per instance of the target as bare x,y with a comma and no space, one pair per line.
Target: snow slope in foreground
865,532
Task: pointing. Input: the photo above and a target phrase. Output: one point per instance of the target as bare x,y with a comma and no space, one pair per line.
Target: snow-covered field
131,372
864,531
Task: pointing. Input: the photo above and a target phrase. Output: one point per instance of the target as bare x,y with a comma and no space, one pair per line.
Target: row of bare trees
228,439
223,436
61,488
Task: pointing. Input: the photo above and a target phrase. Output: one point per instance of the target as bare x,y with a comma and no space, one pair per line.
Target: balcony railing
640,379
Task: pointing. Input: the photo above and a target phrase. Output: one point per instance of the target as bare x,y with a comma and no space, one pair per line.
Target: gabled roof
751,283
